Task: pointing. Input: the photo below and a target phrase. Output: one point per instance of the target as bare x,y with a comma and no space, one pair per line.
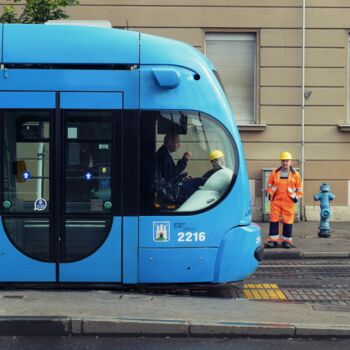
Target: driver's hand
188,155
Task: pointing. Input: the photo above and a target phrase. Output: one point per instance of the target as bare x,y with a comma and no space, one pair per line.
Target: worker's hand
188,155
295,199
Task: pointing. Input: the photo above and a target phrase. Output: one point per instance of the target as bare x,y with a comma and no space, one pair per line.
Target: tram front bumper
239,254
259,253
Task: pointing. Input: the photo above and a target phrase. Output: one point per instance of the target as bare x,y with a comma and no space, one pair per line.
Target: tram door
60,214
90,247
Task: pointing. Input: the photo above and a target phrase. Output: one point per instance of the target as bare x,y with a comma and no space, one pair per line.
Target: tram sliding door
60,188
27,243
89,216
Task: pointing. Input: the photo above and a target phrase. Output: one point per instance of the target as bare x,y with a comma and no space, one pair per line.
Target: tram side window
88,165
176,172
26,161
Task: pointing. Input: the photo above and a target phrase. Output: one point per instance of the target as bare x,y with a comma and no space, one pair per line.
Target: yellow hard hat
215,154
285,156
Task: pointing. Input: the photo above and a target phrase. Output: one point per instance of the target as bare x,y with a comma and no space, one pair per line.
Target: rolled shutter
234,56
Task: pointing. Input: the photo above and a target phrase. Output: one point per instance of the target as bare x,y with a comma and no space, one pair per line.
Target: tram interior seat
210,192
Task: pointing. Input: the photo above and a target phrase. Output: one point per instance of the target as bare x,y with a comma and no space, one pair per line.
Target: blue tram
84,112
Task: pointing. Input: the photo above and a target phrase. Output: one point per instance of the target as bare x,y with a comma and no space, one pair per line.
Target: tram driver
173,185
167,168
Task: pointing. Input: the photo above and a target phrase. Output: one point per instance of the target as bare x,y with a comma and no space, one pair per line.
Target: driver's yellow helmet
215,154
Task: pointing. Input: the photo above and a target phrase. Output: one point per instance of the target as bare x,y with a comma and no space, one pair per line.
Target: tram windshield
192,161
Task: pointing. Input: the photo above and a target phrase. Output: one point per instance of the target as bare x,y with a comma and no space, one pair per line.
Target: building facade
257,46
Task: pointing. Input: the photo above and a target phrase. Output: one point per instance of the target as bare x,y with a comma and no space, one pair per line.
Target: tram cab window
189,181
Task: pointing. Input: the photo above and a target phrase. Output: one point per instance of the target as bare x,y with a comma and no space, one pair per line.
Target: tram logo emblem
161,231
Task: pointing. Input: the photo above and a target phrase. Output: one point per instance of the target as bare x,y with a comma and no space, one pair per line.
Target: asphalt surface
316,267
169,343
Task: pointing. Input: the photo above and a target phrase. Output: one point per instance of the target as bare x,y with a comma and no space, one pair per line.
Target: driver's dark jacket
166,166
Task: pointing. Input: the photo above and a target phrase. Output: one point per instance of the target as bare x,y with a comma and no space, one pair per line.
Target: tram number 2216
191,236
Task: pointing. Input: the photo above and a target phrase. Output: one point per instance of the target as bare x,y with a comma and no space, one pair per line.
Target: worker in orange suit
284,188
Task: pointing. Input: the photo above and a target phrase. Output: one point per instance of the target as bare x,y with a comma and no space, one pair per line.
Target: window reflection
88,161
83,237
26,161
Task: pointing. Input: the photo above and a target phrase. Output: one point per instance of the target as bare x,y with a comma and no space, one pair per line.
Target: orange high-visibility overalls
283,192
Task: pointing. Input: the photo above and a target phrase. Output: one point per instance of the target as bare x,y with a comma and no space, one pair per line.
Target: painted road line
264,291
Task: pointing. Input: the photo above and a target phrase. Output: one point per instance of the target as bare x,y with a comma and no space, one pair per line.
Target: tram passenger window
26,161
83,237
196,183
88,161
30,236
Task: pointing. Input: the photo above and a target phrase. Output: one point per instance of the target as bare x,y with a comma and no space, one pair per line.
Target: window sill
251,127
344,127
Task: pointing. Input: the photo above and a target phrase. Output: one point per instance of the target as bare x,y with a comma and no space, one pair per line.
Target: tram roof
71,44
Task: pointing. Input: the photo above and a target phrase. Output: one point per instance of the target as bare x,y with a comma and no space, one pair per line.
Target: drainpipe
303,100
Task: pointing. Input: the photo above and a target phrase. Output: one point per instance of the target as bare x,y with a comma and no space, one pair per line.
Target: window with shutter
234,56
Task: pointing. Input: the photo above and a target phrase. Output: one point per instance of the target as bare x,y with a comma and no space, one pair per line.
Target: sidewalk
309,245
114,313
109,313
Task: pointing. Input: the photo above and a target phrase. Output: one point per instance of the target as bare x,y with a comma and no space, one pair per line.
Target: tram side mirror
18,168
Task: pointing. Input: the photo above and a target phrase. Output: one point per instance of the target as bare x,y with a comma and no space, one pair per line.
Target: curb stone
280,253
64,326
283,254
242,329
133,327
326,255
322,331
35,325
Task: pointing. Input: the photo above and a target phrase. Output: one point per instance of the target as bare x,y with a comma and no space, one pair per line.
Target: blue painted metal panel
235,260
167,78
27,100
102,266
157,50
1,36
130,249
177,265
35,43
126,82
16,267
91,100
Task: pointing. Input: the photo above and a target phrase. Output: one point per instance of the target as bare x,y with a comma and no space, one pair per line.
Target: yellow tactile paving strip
263,291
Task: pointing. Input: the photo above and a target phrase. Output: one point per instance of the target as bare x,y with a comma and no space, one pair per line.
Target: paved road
319,281
121,343
323,282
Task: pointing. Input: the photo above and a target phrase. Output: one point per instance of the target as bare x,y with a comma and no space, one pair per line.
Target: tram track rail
298,281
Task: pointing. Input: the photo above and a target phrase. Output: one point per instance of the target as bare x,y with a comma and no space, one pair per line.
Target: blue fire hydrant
324,197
